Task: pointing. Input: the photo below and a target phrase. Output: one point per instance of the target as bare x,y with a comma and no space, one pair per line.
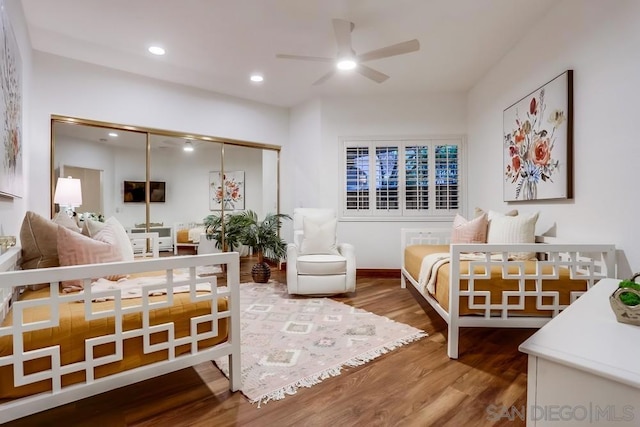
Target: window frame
402,214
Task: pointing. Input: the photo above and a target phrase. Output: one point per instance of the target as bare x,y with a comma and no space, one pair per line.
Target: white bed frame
10,280
150,244
182,226
591,262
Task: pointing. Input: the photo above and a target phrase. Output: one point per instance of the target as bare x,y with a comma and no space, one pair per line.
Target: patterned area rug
295,342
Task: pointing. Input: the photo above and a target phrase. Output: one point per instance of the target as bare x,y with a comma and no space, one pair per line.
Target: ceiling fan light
346,64
188,146
156,50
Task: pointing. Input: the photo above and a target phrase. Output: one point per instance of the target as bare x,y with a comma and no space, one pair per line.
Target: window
407,178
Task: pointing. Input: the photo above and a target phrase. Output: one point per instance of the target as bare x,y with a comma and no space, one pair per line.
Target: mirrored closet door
160,180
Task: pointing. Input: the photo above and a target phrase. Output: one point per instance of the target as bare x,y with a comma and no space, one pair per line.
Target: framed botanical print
226,190
538,143
11,179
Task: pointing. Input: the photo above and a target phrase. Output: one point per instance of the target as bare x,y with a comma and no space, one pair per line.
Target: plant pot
629,314
261,272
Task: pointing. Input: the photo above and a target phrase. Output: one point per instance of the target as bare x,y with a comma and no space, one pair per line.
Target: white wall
317,130
599,40
12,209
72,88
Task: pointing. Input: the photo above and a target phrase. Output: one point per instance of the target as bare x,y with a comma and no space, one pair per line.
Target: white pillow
513,229
491,214
91,227
495,214
63,219
122,239
319,237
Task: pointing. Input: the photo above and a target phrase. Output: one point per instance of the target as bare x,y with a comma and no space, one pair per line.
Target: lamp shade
68,192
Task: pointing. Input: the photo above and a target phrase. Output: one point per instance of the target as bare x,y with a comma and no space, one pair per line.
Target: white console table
584,366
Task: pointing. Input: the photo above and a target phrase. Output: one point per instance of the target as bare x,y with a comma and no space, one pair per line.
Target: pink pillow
474,231
76,249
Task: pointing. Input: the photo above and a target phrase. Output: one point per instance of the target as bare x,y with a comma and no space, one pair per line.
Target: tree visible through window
402,178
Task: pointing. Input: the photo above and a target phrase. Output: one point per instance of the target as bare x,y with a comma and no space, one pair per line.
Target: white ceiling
216,44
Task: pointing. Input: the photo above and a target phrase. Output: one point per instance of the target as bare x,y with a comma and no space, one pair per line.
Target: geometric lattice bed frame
588,262
59,395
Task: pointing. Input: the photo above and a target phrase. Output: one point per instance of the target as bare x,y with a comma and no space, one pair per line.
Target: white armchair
316,264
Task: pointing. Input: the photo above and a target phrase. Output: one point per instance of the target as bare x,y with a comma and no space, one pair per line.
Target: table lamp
68,194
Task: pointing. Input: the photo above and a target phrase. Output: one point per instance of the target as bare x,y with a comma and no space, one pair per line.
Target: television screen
134,191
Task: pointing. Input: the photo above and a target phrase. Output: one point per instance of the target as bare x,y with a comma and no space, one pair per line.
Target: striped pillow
76,249
474,231
514,229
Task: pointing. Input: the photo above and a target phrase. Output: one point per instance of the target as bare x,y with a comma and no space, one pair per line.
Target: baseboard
378,272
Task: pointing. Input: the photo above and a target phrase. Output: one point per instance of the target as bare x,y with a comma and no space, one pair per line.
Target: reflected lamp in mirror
68,194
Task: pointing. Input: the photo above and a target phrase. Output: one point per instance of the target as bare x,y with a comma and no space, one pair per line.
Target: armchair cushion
319,236
321,264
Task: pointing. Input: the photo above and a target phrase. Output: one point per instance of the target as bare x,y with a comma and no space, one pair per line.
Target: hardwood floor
415,385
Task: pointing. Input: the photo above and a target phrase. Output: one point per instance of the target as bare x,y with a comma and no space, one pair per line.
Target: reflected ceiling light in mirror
188,146
113,134
257,78
156,50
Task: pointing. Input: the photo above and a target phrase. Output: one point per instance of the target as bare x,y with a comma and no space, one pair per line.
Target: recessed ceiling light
113,134
156,50
346,64
188,146
256,78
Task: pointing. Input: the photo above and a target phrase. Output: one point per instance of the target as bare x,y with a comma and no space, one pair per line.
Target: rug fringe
359,360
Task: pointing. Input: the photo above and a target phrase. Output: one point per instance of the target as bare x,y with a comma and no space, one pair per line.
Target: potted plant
226,233
264,238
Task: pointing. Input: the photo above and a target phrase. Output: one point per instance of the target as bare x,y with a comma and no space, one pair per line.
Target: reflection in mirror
255,170
101,158
112,163
185,174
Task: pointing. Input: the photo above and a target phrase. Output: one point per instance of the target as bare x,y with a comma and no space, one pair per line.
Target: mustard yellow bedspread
73,329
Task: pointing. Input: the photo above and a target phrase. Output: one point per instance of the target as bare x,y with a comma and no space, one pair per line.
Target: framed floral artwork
538,143
226,191
10,110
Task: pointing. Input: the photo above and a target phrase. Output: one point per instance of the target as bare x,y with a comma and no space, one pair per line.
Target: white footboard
586,262
181,351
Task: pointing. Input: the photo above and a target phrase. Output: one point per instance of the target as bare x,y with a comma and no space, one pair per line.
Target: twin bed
187,235
490,285
58,347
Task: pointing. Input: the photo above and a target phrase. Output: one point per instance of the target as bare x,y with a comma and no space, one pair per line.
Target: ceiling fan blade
372,74
342,30
324,78
396,49
305,58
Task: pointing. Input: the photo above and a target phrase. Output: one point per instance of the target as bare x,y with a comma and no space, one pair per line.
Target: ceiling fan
346,57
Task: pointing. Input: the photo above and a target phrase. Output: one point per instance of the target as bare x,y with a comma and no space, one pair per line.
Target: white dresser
584,366
165,238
